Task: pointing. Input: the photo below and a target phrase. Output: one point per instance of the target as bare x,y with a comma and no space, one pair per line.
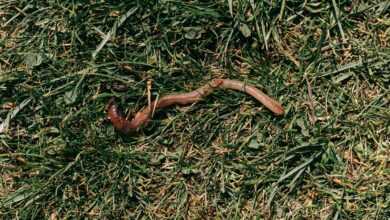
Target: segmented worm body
143,116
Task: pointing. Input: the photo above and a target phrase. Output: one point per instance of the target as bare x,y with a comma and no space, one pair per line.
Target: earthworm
142,117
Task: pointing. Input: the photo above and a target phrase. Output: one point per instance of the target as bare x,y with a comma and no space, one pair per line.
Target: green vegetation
327,62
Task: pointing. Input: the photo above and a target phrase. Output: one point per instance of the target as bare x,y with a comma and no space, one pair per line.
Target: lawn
227,156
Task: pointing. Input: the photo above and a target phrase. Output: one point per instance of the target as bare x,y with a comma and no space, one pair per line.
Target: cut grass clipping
327,62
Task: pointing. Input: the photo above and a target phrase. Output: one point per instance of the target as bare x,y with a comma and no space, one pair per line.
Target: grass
225,157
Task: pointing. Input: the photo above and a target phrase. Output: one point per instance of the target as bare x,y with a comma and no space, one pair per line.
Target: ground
227,156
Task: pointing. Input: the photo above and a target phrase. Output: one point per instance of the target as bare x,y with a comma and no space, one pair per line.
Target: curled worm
143,116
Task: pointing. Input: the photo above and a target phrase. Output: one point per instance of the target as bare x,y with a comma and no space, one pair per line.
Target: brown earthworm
143,116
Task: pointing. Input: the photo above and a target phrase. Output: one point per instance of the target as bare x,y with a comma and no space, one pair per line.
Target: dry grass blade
113,30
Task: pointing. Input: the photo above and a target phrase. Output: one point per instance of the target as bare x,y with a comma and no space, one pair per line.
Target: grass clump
225,157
